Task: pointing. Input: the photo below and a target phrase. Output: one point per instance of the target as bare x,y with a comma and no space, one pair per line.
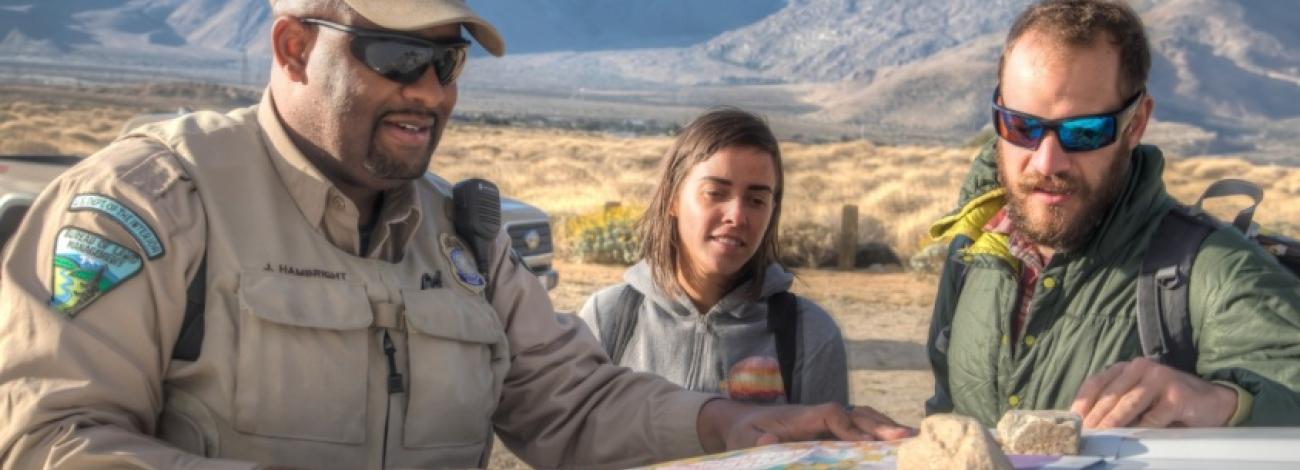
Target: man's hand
1144,393
728,425
878,426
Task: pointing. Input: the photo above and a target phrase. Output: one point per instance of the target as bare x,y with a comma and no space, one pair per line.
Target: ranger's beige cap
414,15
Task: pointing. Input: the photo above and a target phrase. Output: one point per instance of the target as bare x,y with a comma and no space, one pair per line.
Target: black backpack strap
783,322
1235,187
190,342
1163,320
617,328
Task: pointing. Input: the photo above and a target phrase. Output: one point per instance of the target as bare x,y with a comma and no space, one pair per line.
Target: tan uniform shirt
293,369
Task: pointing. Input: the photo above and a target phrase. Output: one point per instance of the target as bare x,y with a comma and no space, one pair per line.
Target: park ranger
344,324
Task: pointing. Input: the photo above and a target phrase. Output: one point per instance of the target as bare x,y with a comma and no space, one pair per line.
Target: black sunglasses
400,58
1077,134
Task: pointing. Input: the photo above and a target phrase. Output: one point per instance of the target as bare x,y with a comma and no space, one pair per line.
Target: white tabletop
1202,448
1158,449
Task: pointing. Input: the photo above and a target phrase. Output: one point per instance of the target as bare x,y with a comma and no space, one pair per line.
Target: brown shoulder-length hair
704,136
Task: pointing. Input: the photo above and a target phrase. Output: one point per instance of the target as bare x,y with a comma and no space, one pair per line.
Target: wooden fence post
848,241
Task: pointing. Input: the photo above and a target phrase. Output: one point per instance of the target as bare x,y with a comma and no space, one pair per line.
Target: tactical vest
297,366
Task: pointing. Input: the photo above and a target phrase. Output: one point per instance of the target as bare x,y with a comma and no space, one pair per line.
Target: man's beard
1057,228
384,166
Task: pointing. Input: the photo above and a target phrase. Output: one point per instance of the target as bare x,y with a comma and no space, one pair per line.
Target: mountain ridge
1226,69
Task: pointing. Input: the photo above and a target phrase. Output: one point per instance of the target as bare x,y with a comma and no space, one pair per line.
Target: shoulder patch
462,262
136,226
87,266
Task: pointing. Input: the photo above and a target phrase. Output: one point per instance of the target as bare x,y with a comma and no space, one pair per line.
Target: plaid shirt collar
1020,247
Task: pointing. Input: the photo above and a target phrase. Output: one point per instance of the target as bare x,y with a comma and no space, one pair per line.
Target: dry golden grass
566,173
79,121
44,127
902,189
899,190
1280,211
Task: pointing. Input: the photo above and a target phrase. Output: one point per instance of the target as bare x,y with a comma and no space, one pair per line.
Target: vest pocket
458,360
302,358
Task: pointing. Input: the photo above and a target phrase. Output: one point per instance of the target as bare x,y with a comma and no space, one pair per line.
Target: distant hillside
830,40
244,25
68,25
1226,73
1227,67
221,24
586,25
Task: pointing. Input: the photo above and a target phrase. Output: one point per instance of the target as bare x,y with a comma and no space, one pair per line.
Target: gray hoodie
701,352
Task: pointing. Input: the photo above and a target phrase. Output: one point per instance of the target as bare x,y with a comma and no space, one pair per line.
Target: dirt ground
884,317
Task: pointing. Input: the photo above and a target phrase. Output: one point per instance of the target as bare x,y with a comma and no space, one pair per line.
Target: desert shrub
812,186
82,137
560,172
29,147
872,230
871,254
807,244
641,190
43,122
105,126
941,181
911,232
1216,169
1287,229
1289,183
604,236
900,199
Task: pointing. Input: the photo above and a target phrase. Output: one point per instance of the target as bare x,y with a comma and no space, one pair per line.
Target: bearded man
1037,306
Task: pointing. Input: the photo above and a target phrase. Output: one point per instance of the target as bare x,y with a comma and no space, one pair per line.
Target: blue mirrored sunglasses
1077,134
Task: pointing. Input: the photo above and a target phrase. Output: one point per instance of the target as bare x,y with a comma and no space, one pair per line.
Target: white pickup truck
22,177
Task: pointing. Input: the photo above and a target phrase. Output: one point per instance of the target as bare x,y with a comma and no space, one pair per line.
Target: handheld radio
476,215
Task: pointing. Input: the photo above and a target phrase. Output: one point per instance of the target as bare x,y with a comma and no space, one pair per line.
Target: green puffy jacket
1245,309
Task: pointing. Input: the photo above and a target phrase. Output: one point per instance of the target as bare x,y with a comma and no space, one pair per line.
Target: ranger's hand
877,425
1145,393
728,425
